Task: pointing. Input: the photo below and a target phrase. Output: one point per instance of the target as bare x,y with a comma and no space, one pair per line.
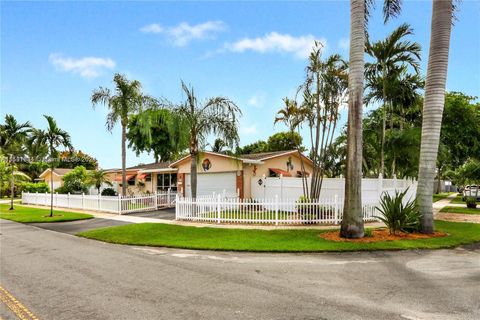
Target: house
58,173
216,173
234,175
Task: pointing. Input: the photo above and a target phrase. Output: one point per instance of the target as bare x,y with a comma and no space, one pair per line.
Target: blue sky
53,54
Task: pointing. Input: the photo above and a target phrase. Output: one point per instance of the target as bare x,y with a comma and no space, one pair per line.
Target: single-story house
217,173
234,174
58,173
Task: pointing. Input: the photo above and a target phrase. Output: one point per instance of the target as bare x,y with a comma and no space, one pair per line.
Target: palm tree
390,55
12,138
54,137
126,101
433,108
217,115
97,178
352,221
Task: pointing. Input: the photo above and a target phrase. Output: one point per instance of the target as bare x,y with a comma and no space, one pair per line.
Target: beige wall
57,180
277,163
218,164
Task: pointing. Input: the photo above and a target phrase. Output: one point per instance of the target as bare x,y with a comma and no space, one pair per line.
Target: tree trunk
124,157
382,150
433,107
12,186
352,221
193,175
51,190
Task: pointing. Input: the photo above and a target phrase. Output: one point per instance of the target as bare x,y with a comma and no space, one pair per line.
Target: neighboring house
217,173
58,173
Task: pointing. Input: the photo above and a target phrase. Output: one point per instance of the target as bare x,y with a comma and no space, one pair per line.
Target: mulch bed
381,235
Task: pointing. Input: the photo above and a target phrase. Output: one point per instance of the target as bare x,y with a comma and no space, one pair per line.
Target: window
166,181
148,177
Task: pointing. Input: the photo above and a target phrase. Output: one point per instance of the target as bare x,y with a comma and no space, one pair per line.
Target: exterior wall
255,172
218,164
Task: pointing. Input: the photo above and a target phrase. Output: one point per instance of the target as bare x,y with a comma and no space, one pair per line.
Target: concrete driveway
165,214
59,276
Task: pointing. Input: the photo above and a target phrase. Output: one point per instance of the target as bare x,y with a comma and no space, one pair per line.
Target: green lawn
441,196
298,240
29,215
464,210
458,200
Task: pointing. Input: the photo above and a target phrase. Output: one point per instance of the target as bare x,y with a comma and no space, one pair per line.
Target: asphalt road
60,276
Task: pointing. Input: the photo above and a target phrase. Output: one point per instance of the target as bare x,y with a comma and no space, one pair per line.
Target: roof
265,155
248,158
153,165
57,171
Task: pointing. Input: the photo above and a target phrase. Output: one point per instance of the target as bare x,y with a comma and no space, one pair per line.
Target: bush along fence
265,211
112,204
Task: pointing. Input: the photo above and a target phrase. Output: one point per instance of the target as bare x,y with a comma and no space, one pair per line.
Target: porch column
181,183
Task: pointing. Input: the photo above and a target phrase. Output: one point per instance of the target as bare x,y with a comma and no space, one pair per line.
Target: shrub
398,216
368,232
108,192
471,202
75,181
40,187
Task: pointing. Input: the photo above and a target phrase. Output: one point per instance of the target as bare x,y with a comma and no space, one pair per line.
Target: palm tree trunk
352,221
51,190
193,175
433,107
12,186
124,157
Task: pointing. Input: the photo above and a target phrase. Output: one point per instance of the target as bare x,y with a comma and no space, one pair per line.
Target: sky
54,54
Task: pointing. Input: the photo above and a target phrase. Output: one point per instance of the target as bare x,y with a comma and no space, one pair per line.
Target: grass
297,240
458,200
441,196
31,215
464,210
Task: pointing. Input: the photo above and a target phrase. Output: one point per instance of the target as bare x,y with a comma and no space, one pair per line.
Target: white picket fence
265,211
112,204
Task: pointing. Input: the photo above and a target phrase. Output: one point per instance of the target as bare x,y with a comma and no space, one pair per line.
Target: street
60,276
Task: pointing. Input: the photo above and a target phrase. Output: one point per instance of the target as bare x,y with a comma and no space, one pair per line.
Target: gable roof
57,171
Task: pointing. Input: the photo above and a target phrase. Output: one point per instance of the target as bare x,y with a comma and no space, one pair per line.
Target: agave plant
397,214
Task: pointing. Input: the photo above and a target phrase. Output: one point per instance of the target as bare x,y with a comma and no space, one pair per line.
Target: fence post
83,200
276,209
168,196
219,199
395,182
177,206
336,209
155,200
119,204
99,197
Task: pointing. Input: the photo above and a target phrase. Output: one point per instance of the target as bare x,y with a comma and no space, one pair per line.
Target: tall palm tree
12,139
126,100
433,107
54,137
217,115
98,177
390,56
352,222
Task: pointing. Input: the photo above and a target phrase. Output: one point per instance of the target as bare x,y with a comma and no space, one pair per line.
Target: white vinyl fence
278,202
112,204
265,211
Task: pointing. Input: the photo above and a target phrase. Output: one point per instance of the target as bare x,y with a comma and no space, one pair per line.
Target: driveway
74,227
165,214
59,276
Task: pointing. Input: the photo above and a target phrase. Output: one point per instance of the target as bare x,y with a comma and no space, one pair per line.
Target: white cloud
344,44
152,28
184,33
87,67
276,42
248,129
257,100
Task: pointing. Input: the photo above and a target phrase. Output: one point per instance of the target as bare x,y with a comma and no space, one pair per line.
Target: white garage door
209,183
